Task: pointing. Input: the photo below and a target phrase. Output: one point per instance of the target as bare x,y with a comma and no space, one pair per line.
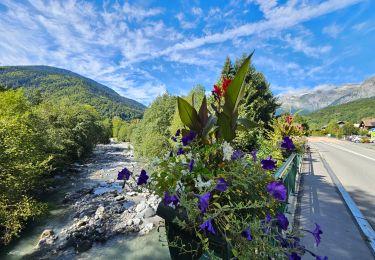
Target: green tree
151,135
349,129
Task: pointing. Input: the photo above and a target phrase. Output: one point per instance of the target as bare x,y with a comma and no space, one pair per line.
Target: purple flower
247,234
180,151
237,155
321,257
178,132
265,224
142,179
294,256
268,218
207,226
191,165
316,233
287,144
268,163
282,221
277,190
174,138
254,154
203,201
124,174
170,199
188,138
221,184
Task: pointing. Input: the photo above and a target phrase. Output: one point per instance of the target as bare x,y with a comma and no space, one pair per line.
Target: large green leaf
209,126
203,112
188,114
225,127
236,88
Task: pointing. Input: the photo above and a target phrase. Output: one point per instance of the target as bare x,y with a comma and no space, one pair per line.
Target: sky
144,48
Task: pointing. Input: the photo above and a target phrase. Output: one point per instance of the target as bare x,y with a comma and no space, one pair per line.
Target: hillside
353,111
50,83
327,96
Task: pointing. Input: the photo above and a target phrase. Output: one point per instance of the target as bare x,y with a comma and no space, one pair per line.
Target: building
367,123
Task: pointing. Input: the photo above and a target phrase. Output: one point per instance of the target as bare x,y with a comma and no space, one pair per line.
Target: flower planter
180,237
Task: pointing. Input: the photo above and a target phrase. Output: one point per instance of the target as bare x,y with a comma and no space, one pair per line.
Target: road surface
354,166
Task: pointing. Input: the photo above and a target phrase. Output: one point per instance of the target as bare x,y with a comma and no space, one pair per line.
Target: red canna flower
226,83
289,119
217,92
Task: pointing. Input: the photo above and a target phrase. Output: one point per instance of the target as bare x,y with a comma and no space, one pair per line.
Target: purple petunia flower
203,201
316,233
188,138
247,234
124,174
178,132
287,144
268,163
191,165
254,154
143,177
180,151
321,257
170,199
237,155
277,190
174,138
221,184
294,256
207,226
282,221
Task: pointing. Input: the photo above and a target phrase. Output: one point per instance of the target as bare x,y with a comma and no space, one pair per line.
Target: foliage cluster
221,191
34,141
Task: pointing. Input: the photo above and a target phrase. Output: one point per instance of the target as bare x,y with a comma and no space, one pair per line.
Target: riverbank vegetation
37,139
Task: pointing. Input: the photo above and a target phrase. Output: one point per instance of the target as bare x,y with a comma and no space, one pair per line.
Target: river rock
83,245
146,229
47,238
100,212
119,198
149,212
136,222
140,207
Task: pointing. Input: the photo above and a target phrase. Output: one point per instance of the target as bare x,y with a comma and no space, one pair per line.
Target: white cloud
184,23
197,11
332,30
299,44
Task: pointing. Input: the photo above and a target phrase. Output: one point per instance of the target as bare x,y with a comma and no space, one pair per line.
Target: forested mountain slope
353,112
50,83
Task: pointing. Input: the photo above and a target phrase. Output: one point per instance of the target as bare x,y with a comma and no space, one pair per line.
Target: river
98,175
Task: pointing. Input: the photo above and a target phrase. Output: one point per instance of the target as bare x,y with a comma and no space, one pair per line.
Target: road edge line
361,221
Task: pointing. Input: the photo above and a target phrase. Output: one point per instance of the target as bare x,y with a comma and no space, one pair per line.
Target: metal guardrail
288,174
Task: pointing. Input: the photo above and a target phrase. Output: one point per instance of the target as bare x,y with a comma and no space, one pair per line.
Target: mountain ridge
327,95
55,82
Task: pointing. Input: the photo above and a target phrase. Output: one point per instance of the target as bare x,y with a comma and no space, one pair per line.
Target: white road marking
349,151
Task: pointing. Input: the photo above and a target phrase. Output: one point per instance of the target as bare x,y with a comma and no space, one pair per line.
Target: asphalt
319,200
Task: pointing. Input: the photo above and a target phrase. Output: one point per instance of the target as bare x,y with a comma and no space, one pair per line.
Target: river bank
92,217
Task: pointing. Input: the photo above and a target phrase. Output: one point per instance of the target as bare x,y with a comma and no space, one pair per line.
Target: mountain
325,96
50,83
353,111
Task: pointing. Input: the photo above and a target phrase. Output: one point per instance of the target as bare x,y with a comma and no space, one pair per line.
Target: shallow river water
102,166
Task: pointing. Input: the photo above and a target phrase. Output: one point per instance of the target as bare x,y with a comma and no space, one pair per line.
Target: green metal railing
288,174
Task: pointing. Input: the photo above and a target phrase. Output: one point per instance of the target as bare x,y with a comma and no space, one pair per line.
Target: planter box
180,237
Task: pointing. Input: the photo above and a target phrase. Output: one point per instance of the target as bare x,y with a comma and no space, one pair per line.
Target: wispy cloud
143,49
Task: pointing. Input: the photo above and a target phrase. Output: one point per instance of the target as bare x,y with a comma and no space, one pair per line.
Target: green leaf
225,127
236,89
203,112
188,115
209,126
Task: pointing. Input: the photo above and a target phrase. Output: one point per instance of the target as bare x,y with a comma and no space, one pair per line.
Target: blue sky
144,48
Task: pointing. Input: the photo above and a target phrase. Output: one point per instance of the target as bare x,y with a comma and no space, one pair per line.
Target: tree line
37,140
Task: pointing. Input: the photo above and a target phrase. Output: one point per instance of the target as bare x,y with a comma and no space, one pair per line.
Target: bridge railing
287,174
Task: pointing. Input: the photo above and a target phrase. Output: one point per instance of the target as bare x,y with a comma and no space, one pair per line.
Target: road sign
372,134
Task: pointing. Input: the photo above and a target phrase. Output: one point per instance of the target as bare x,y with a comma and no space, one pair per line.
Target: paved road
354,166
